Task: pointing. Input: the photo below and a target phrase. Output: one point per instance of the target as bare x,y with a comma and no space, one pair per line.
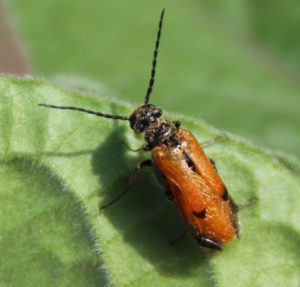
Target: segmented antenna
108,116
154,61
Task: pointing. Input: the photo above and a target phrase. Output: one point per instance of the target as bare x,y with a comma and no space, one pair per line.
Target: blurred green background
233,63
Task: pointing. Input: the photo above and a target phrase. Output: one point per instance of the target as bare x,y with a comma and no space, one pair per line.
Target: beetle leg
248,203
213,163
131,149
143,147
181,235
236,207
221,136
169,194
145,163
177,124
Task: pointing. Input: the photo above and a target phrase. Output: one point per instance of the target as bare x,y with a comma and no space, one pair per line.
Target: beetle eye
145,122
140,128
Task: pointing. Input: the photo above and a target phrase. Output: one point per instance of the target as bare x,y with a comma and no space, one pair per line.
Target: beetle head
143,116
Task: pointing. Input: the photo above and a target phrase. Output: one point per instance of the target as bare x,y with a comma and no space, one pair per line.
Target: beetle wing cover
203,165
197,188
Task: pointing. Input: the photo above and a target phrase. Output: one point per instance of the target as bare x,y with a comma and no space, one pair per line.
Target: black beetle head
144,116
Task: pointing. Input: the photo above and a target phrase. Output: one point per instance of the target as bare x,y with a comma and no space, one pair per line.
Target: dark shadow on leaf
143,216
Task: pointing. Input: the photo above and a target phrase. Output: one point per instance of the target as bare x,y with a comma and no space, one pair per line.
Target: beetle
189,177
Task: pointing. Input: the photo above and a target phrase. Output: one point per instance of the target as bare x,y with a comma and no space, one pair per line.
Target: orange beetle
189,177
198,191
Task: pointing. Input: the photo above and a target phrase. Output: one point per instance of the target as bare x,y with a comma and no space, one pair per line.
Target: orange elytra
189,177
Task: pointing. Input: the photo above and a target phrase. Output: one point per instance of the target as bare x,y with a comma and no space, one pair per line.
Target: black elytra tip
209,243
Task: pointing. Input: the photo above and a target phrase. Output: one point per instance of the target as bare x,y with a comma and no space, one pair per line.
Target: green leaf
234,63
58,166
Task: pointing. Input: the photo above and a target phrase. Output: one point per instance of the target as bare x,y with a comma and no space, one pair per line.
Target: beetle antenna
154,61
108,116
